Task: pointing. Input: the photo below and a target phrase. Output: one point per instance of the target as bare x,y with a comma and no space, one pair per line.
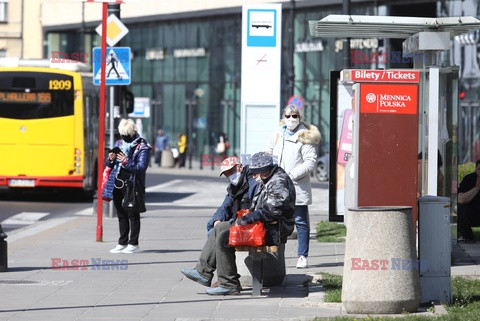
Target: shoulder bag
134,199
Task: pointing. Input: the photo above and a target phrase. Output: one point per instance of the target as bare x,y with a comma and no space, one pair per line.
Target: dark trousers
158,157
467,217
182,159
128,222
218,255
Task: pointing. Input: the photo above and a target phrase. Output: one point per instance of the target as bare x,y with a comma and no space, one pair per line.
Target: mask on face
127,138
259,179
292,123
234,178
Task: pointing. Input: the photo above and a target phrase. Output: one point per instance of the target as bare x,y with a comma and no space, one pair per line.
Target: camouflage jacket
273,204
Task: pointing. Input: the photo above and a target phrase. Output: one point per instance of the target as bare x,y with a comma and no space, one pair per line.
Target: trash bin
434,243
381,268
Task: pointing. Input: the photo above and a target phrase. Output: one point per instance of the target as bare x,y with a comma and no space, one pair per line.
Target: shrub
465,169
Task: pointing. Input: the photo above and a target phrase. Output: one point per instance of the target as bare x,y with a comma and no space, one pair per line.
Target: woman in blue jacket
130,160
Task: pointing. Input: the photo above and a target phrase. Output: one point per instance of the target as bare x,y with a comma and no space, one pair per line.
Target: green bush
465,169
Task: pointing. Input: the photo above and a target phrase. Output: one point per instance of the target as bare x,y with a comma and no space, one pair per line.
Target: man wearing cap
273,204
240,191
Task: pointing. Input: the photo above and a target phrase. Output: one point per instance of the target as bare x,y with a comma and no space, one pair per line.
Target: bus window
30,97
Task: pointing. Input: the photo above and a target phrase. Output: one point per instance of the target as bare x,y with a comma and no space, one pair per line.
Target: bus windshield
32,95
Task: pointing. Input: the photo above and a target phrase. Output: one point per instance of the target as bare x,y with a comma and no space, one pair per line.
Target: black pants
158,157
129,222
467,217
183,158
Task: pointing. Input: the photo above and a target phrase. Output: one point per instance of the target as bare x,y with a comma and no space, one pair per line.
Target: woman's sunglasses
294,116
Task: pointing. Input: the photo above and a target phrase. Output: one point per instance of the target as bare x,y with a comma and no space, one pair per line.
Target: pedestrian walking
161,144
182,149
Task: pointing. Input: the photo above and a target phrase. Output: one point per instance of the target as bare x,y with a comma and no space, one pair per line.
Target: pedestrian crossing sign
117,66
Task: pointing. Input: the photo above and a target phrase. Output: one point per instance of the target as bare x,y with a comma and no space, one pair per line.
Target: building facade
187,58
11,28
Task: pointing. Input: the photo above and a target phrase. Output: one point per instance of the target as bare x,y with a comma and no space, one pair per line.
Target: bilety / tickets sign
390,75
388,98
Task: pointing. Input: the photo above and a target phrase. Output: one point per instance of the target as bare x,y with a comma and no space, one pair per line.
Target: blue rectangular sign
117,68
262,28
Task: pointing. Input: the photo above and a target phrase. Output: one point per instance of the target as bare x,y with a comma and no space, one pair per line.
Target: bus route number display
59,84
26,98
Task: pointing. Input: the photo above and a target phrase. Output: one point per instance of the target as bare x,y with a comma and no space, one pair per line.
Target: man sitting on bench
469,205
273,204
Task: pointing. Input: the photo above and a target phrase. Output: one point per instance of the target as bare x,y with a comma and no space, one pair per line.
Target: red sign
391,75
297,101
389,98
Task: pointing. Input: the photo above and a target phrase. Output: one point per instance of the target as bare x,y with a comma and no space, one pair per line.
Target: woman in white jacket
293,147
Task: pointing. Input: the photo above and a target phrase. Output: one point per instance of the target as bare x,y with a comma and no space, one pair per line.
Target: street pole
114,100
291,30
346,43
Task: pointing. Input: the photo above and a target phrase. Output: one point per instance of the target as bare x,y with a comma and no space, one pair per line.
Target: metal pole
291,30
112,92
346,43
115,10
101,126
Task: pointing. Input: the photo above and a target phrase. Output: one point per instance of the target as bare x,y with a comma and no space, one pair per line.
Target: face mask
127,138
292,123
259,180
234,178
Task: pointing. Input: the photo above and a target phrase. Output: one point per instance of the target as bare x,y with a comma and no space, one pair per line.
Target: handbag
134,199
247,235
107,194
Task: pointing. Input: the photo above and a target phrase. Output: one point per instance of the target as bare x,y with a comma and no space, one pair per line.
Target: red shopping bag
247,235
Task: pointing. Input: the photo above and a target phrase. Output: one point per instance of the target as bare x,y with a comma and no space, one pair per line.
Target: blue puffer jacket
237,198
138,159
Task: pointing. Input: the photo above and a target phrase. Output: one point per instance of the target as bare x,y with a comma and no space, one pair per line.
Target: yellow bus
48,126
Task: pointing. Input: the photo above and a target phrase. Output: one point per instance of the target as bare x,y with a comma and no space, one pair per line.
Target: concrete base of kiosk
381,273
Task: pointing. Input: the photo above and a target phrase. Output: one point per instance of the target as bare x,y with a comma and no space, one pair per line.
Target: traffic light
126,100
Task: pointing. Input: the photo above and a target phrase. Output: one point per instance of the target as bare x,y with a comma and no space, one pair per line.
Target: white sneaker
302,262
118,248
131,249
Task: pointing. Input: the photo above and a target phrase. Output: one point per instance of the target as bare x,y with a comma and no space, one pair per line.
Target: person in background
161,144
132,158
240,191
182,149
293,144
273,204
469,205
222,146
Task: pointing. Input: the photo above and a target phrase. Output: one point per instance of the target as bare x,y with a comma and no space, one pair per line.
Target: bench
257,254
